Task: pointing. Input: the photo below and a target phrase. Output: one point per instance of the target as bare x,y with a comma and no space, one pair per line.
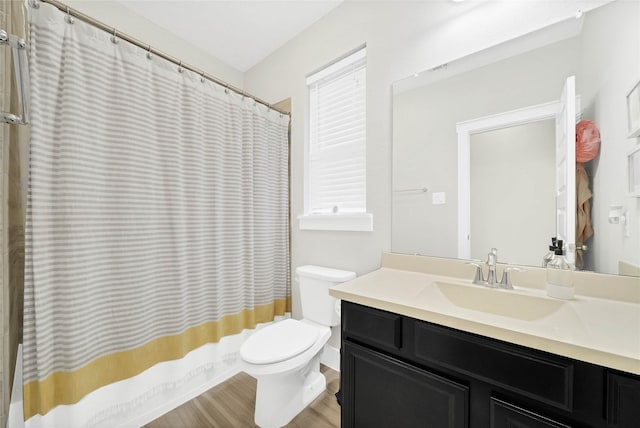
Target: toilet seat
278,342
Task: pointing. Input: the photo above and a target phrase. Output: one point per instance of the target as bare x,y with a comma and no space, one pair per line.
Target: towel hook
114,38
68,18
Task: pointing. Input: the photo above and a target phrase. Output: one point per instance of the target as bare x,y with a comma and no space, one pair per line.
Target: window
335,197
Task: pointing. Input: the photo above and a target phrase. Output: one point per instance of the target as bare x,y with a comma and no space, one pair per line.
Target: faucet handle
506,277
492,257
479,277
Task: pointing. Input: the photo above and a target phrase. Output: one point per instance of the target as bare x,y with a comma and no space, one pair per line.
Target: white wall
402,38
114,14
609,72
513,180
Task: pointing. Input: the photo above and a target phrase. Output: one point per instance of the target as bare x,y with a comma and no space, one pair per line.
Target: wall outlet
438,198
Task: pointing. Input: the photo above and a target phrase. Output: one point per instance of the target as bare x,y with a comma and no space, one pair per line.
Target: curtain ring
68,18
180,69
114,38
149,54
34,4
202,78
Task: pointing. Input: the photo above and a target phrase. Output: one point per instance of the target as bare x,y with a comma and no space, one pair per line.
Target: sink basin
505,303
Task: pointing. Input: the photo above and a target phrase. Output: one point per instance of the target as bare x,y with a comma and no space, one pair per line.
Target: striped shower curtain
157,213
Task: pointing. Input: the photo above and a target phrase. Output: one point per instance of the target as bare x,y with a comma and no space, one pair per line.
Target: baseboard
331,357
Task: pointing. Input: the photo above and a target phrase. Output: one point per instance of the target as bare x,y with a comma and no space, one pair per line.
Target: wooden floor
231,404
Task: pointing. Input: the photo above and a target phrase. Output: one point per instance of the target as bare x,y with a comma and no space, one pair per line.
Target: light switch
438,198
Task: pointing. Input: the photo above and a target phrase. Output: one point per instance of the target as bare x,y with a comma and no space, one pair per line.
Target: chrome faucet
506,277
479,277
491,281
492,259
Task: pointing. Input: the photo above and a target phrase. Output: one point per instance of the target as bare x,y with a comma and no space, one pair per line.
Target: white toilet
285,356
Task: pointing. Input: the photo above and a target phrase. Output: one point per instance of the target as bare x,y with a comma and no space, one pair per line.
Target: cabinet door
383,392
623,401
505,415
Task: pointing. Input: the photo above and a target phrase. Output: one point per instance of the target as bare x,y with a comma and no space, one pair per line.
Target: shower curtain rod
92,21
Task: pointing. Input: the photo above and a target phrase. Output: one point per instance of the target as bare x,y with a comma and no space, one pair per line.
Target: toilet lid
278,342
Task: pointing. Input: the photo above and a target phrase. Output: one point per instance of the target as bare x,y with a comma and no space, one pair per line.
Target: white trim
519,116
467,128
357,222
338,65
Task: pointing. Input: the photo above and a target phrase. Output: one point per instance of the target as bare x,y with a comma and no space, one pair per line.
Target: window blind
337,139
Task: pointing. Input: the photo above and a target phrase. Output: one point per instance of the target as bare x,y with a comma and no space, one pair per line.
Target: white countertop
596,330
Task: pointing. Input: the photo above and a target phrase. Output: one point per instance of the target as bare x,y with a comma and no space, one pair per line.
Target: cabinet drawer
505,415
623,401
533,374
372,326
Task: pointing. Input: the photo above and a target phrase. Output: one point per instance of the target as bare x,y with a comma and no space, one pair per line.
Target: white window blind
337,139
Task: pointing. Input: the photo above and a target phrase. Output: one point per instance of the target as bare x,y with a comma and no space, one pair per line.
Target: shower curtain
157,216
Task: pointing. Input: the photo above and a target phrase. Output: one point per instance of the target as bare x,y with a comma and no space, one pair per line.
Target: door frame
465,130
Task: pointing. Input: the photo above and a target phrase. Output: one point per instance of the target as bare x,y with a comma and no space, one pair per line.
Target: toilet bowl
288,376
284,357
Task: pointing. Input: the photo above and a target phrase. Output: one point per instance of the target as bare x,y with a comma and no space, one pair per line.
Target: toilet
284,357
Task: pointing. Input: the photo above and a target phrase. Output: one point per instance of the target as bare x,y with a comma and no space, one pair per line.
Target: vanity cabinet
401,372
623,400
505,415
387,392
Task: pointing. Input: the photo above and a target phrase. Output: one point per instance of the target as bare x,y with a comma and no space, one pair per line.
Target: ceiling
239,32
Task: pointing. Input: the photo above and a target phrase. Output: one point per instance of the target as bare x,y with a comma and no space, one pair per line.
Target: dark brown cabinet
623,401
397,371
385,392
505,415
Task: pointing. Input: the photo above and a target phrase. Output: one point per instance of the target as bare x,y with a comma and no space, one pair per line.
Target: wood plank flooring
231,404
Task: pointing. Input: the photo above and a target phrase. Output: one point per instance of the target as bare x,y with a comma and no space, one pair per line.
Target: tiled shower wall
4,230
13,160
4,256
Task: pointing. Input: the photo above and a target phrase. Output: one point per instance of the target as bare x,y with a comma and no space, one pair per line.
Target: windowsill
357,222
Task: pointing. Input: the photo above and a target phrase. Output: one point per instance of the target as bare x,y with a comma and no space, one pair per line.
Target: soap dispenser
559,275
552,251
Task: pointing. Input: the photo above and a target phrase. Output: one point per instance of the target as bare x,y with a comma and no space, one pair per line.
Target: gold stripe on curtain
69,387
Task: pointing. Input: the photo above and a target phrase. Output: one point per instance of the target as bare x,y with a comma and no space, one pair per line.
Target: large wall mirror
511,169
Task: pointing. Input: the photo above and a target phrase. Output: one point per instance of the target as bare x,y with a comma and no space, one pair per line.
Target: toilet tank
317,305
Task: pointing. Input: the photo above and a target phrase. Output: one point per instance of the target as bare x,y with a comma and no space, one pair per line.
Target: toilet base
279,398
